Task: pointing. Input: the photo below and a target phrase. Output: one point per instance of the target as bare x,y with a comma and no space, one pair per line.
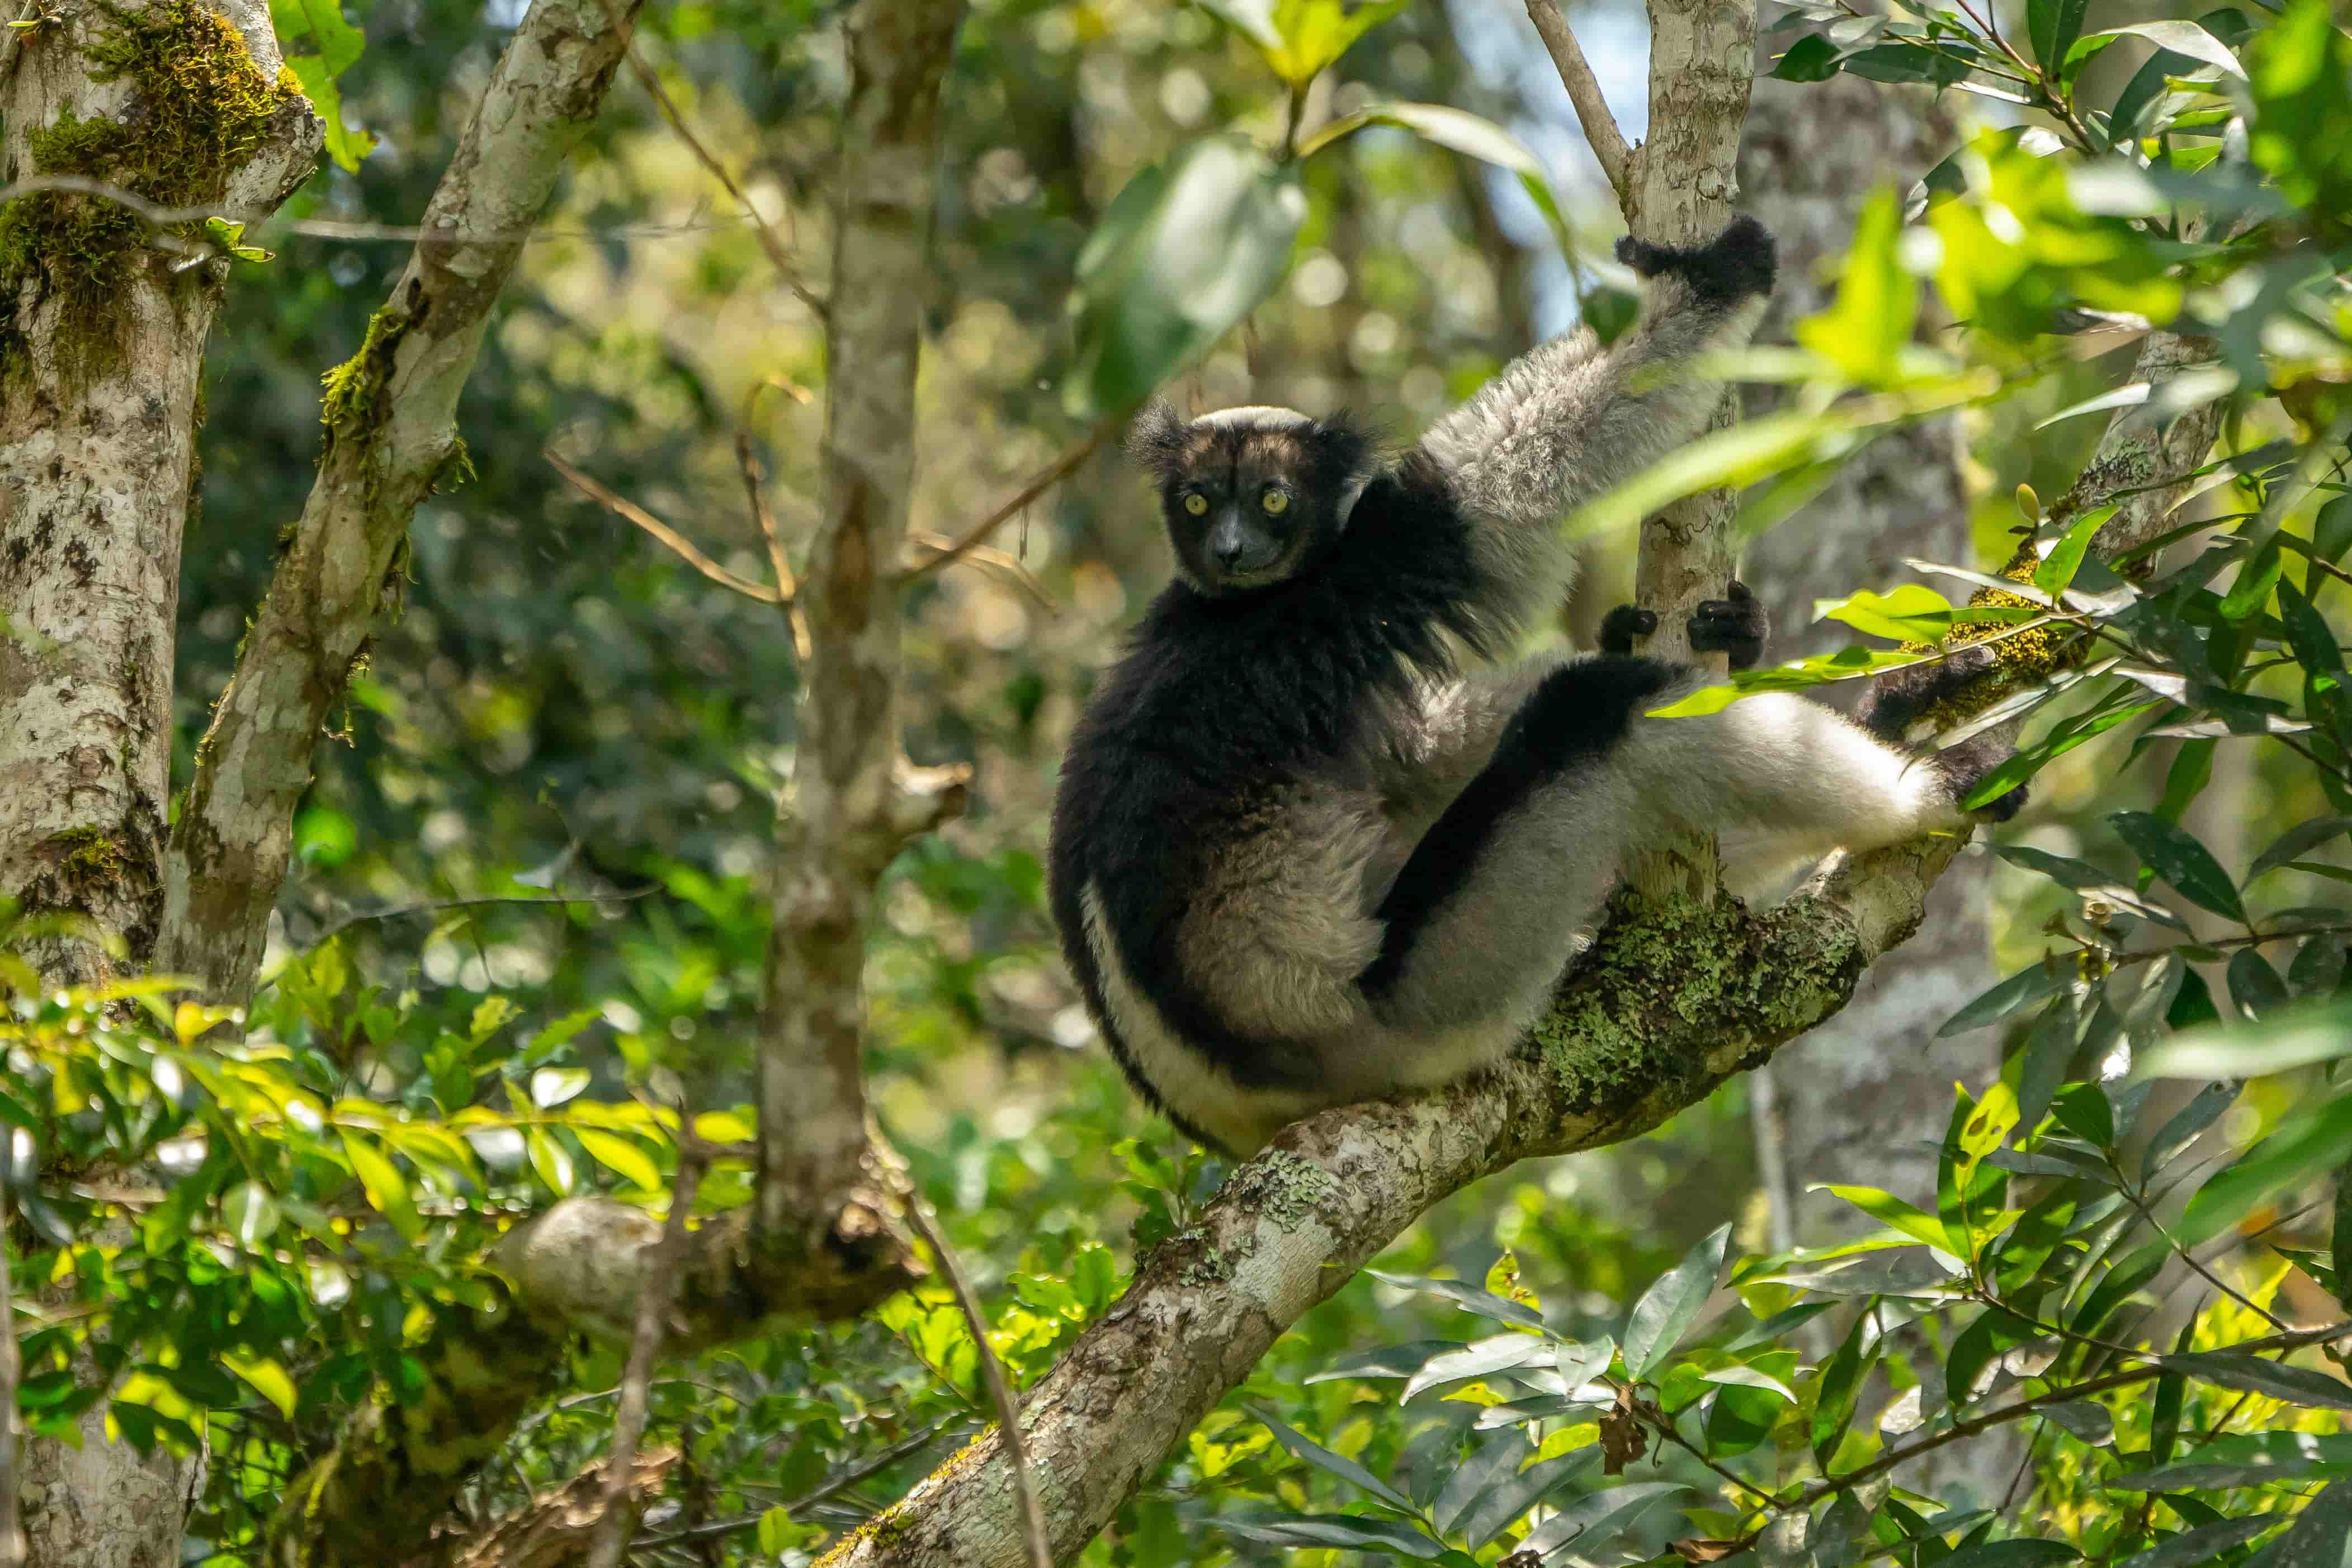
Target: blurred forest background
563,706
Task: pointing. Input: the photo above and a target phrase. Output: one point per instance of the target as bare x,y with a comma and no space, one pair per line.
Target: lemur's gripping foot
1735,263
1736,626
1900,700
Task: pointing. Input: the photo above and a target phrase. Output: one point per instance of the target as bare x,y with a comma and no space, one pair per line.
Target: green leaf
2312,1140
1460,132
1598,1518
1891,1211
2084,877
1186,250
2178,858
1811,58
267,1378
2055,25
2057,570
1311,1452
2340,1244
2256,578
1467,1297
2248,1459
2275,1379
2297,842
1869,323
2316,1538
347,144
1911,612
1297,38
250,1213
1498,1353
1385,1360
2019,991
1387,1537
2012,1554
386,1188
550,1159
1841,1384
1669,1307
551,1087
621,1157
2116,1284
2182,38
2280,1043
1508,1502
2198,1547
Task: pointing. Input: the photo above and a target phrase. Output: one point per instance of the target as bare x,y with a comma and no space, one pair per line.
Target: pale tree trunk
1864,1099
1865,1090
102,328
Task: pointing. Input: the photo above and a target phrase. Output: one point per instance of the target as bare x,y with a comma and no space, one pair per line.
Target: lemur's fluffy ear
1156,440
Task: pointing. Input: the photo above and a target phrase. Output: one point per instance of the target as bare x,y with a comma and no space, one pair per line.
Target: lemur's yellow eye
1196,503
1276,502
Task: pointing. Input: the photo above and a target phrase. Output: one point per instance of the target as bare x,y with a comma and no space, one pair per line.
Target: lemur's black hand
1620,626
1735,626
1735,263
1898,700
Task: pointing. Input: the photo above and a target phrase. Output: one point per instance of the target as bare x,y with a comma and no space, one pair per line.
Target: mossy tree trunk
103,318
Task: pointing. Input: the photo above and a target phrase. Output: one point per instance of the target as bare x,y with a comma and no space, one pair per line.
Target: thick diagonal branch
390,439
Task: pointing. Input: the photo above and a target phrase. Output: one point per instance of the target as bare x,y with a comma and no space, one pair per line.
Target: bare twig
1053,474
402,912
780,254
832,1486
622,507
1000,1390
645,1344
755,480
1601,130
1001,562
12,1534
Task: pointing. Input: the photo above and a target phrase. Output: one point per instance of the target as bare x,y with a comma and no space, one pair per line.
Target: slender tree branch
830,1485
1053,474
1601,133
389,441
402,911
755,492
780,254
653,1309
991,1371
685,548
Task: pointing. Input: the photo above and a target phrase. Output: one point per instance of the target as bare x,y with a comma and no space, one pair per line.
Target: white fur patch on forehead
1254,416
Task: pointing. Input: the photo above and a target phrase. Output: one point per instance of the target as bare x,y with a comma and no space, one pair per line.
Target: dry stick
780,254
653,1305
1008,1409
1601,130
12,1535
620,506
755,490
1002,561
1055,473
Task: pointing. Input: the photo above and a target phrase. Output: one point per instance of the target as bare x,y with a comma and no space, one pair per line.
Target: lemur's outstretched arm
1568,420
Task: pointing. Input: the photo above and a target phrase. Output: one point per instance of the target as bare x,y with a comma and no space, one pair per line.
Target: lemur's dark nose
1226,542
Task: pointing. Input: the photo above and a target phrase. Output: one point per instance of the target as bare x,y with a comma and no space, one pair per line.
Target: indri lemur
1303,853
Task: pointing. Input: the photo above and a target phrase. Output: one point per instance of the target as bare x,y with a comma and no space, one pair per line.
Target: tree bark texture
389,440
102,328
103,319
1866,1098
826,1194
1874,1083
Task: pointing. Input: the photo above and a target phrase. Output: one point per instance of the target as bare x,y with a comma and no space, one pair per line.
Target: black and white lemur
1311,845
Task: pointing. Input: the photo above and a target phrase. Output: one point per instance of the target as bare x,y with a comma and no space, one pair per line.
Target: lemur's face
1251,495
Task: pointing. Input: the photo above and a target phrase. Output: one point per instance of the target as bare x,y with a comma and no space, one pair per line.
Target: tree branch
686,549
389,441
1601,133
